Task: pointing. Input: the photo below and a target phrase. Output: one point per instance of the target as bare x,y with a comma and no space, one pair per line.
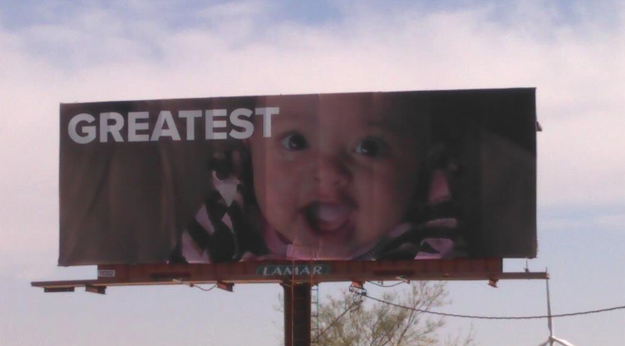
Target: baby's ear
439,187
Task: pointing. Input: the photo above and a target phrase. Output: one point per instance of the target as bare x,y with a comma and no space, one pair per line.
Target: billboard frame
310,272
481,112
297,288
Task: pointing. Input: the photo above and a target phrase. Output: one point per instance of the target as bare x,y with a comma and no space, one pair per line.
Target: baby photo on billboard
341,177
355,176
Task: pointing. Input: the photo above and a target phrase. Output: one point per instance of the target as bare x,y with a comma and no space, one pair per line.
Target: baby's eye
294,141
372,147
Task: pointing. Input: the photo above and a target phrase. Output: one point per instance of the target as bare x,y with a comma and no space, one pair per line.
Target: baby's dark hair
242,236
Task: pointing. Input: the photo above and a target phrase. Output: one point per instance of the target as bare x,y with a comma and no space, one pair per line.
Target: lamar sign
290,270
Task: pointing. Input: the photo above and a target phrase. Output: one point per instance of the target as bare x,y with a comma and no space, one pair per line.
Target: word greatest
83,128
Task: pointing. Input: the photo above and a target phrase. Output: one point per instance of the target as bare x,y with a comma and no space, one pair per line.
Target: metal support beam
95,289
225,286
296,314
358,284
297,272
57,289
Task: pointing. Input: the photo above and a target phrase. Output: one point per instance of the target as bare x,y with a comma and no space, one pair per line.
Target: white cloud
579,72
235,10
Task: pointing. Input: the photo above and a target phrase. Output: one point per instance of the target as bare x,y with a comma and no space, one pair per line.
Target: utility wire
195,286
349,308
202,288
495,317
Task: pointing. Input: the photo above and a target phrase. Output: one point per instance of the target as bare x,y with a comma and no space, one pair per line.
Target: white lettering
235,119
190,117
134,126
267,113
84,128
212,124
165,118
89,131
114,129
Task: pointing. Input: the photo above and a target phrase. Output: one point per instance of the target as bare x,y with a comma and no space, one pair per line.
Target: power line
202,288
349,308
495,317
195,286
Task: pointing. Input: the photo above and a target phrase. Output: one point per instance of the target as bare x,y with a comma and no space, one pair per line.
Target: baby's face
335,176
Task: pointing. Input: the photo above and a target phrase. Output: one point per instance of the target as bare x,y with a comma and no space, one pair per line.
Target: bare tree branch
378,324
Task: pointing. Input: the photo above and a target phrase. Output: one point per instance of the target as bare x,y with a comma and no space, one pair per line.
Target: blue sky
62,51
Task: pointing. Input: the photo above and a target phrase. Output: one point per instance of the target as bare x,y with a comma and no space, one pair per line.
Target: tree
348,321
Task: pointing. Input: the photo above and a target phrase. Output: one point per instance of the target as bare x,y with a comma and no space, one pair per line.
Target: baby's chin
318,252
311,245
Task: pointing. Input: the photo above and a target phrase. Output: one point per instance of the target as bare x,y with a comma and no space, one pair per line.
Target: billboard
355,176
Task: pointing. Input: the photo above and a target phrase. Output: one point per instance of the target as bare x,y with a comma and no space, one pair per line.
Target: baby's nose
332,171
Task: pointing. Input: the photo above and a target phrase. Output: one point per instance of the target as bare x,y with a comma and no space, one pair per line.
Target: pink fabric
191,252
443,246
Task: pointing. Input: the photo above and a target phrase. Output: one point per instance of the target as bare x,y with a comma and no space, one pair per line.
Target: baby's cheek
294,177
282,195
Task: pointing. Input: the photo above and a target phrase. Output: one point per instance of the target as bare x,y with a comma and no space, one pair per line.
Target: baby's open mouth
328,217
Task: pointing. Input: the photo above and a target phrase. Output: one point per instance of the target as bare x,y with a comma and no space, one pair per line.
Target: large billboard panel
356,176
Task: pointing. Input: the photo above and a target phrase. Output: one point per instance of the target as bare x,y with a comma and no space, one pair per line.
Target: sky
573,52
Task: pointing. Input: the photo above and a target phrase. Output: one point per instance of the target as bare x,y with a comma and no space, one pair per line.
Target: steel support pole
296,314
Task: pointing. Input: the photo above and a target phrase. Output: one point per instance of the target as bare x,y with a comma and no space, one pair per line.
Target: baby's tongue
328,217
